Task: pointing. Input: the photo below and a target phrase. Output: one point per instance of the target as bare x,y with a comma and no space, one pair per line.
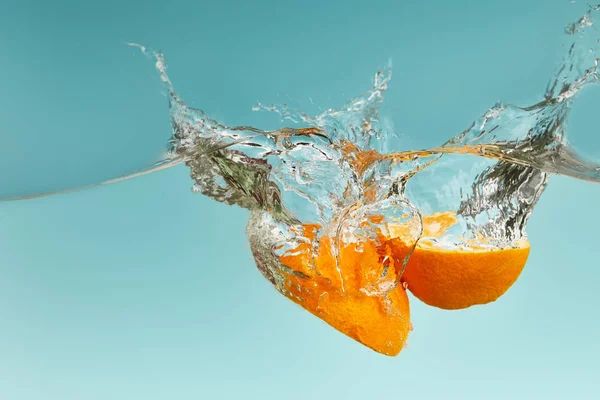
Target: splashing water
337,225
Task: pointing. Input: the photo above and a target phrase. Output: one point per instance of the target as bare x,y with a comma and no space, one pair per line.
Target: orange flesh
332,292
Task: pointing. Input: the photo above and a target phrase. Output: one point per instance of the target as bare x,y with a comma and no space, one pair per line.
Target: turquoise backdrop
143,290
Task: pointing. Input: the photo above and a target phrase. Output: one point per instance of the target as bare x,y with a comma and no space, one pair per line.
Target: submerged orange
353,286
455,279
460,278
334,291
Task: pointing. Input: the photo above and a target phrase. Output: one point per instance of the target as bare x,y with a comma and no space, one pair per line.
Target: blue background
142,290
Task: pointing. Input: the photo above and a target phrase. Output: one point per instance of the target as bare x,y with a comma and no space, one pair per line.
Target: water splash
491,174
329,186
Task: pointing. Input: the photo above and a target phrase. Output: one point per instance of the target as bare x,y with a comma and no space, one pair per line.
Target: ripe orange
353,285
460,278
335,291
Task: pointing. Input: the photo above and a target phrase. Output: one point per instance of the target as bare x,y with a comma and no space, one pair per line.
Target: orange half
333,291
460,278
